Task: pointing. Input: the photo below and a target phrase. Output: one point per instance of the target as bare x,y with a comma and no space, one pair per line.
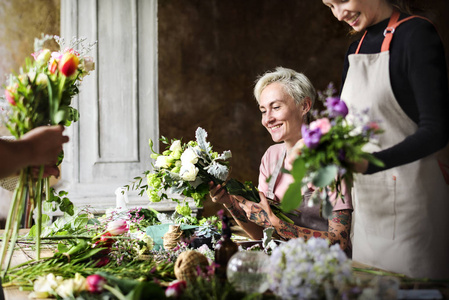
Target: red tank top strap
388,32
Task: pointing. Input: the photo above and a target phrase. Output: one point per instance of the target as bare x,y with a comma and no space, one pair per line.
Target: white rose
176,146
188,172
162,162
142,236
189,157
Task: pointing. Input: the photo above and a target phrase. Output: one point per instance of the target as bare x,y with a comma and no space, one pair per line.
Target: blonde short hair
296,84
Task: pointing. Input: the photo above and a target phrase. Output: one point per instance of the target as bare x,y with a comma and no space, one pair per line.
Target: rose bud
68,64
95,283
117,227
175,289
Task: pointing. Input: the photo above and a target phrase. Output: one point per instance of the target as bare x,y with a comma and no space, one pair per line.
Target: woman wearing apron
398,71
285,98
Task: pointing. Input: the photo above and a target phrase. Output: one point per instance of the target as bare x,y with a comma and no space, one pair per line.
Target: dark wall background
210,53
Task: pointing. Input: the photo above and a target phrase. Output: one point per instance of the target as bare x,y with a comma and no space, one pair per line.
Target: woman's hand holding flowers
218,194
258,213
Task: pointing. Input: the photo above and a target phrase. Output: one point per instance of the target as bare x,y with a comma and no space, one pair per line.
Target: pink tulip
175,289
9,94
68,64
117,227
95,283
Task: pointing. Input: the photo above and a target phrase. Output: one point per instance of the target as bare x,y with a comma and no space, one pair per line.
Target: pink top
284,180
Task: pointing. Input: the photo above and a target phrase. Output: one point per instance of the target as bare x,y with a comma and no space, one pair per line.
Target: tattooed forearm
237,213
340,227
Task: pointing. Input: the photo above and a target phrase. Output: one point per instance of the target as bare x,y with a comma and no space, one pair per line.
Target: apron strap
388,32
275,174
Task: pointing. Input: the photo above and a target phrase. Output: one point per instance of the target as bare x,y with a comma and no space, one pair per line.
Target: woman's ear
306,105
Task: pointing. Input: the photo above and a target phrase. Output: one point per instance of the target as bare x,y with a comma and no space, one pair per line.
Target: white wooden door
117,103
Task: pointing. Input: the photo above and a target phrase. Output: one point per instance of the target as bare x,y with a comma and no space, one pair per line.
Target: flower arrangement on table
325,154
41,95
303,270
187,168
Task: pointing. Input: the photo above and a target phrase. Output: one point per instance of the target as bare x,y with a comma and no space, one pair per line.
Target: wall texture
210,53
20,22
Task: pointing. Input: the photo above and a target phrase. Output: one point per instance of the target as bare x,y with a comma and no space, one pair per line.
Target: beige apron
401,215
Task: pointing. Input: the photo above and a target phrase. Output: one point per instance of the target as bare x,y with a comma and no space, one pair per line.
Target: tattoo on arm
339,229
237,213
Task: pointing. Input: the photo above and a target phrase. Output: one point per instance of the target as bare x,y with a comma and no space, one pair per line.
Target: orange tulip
53,66
68,64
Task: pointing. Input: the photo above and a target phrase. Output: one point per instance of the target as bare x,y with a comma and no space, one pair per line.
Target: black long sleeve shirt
418,75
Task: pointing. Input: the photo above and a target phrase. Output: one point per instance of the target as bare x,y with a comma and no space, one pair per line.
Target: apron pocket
374,198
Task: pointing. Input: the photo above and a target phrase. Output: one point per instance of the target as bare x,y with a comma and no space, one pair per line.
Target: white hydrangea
300,269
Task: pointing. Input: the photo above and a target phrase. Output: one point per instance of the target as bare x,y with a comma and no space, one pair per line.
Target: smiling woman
285,98
398,70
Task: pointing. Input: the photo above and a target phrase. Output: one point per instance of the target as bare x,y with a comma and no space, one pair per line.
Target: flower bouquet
41,95
325,154
186,169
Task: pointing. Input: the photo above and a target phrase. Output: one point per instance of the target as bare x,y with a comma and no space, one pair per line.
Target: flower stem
116,293
12,217
39,212
16,220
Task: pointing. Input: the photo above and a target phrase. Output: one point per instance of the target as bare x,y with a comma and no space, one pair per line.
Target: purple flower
311,137
336,107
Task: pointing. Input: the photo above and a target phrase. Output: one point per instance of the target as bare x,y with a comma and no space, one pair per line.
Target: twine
172,237
188,264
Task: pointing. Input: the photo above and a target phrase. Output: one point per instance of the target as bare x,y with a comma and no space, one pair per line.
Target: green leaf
144,289
298,169
292,197
325,176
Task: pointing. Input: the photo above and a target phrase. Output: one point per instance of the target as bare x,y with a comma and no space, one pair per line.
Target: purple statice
311,137
336,107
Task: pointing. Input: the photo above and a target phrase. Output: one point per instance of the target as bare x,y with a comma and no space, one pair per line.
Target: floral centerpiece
324,156
41,95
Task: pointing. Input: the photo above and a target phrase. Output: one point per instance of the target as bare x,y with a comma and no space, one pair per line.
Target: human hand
360,166
44,144
50,170
218,194
258,213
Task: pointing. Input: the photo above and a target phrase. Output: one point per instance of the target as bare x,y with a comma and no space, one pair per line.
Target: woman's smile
281,116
